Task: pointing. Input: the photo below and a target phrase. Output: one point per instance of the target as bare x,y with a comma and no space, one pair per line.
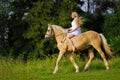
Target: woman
75,29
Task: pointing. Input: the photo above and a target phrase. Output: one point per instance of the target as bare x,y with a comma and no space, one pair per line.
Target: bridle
52,31
50,35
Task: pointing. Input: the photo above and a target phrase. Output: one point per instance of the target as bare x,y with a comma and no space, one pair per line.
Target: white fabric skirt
76,32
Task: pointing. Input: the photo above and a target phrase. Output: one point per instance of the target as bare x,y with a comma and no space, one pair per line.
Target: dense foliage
112,29
23,24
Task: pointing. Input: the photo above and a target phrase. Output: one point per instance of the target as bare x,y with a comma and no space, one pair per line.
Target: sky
84,7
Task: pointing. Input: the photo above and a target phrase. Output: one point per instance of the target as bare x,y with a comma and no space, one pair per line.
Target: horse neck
59,35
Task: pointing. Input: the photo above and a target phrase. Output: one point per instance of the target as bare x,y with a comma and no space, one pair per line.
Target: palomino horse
88,40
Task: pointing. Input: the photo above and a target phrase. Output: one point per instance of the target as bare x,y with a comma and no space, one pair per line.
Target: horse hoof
54,73
85,70
77,71
107,68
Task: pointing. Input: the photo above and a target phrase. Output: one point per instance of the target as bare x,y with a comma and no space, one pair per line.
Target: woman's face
73,15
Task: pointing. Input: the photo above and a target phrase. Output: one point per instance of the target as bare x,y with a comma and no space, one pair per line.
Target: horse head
50,32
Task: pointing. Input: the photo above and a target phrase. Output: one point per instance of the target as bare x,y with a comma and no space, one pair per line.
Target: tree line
23,24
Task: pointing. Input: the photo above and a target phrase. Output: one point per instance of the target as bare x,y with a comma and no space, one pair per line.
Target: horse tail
106,46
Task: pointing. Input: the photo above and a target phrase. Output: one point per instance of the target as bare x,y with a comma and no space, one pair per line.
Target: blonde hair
81,20
75,14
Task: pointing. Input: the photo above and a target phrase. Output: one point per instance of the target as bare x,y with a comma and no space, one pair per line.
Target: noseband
50,35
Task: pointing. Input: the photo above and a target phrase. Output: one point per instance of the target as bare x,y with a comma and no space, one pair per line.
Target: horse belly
82,46
81,43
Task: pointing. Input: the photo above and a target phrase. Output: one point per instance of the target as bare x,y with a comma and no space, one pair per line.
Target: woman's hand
69,30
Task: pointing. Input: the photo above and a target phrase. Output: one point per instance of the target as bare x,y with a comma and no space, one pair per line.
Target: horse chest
61,46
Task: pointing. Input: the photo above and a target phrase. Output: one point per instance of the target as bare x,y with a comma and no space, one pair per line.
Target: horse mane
60,28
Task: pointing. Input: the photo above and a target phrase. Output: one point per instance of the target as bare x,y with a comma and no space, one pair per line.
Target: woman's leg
69,36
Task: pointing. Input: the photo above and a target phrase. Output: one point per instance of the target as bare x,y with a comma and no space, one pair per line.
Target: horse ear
49,24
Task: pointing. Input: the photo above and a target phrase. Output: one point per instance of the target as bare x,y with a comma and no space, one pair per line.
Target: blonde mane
60,28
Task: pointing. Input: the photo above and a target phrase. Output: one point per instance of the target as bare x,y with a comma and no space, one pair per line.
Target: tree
96,10
5,9
26,22
112,28
17,26
42,14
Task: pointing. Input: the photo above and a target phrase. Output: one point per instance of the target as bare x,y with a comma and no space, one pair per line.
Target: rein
56,35
60,34
54,32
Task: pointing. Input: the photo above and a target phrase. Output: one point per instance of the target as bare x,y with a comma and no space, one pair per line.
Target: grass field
11,69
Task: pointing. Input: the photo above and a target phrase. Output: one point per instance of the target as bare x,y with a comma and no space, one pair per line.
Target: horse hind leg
91,56
102,56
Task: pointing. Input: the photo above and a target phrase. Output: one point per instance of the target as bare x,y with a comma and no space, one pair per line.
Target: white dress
76,32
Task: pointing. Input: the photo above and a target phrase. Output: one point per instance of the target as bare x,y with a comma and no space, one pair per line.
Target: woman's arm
76,21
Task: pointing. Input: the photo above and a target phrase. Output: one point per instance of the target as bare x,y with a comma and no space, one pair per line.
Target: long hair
81,20
75,14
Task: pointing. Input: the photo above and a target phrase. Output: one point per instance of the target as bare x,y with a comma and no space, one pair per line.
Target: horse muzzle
47,37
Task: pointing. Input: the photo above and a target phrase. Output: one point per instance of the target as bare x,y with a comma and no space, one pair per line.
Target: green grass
11,69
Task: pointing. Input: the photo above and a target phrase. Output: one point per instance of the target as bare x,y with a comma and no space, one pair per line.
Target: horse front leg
58,60
73,62
91,56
